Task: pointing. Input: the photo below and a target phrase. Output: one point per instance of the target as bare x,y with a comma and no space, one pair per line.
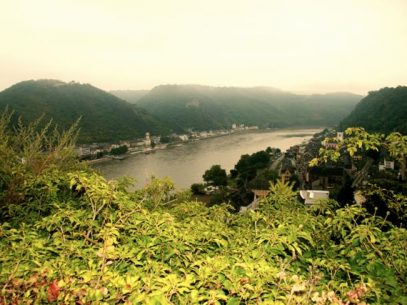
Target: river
187,163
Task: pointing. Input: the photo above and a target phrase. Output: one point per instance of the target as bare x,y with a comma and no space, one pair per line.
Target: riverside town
97,152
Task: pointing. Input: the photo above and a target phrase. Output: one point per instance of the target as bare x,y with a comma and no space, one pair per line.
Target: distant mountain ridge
169,108
204,107
104,117
384,111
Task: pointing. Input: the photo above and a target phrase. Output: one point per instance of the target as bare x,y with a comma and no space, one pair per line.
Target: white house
183,137
386,165
312,196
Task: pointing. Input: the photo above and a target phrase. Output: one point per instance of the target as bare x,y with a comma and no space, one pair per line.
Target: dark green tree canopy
384,111
104,117
215,176
249,164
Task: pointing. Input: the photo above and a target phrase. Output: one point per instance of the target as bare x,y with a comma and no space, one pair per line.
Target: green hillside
167,108
202,107
384,111
104,117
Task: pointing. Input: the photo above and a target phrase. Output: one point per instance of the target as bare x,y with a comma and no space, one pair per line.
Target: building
156,139
288,169
326,177
114,146
183,137
203,134
333,142
339,136
330,144
147,139
386,165
258,195
313,196
83,151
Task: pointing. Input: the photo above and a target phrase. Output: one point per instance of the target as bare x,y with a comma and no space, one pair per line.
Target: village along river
187,163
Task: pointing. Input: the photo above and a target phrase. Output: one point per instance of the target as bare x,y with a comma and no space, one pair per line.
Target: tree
396,144
262,181
165,139
119,150
197,189
215,176
248,165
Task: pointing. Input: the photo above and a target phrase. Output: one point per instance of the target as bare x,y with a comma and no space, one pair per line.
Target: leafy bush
101,244
105,247
33,162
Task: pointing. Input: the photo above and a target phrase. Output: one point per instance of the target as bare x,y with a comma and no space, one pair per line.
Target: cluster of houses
97,150
319,181
324,180
150,143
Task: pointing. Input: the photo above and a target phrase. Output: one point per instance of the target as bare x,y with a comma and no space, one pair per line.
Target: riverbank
186,163
100,160
171,145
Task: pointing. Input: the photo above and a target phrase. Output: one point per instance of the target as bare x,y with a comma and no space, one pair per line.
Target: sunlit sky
297,45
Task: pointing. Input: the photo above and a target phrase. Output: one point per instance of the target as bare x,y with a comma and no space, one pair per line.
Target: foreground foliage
102,245
68,236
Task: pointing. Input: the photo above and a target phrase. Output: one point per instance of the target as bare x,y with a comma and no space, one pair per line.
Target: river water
187,163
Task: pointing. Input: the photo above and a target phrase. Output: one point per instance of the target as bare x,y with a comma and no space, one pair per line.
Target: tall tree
215,176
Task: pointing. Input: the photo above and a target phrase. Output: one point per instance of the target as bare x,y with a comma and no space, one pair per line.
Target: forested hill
383,111
168,108
105,117
202,107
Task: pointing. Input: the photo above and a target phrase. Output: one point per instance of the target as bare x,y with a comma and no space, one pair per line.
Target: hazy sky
297,45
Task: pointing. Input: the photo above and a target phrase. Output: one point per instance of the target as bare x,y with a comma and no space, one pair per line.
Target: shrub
197,189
